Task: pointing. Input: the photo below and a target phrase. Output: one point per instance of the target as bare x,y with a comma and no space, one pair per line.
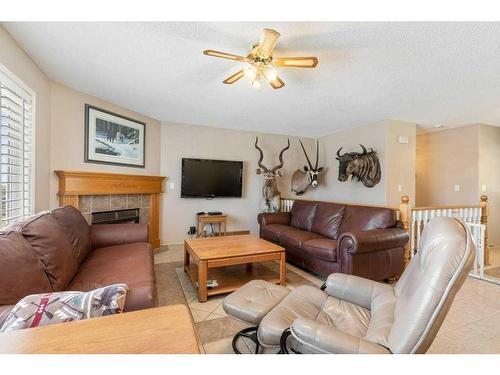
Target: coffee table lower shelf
230,278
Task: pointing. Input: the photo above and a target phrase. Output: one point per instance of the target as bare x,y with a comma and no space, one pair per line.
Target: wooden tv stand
201,220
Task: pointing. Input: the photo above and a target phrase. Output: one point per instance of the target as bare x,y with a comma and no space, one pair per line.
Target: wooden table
220,220
163,330
232,261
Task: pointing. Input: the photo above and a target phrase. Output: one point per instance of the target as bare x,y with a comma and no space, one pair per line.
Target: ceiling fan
260,64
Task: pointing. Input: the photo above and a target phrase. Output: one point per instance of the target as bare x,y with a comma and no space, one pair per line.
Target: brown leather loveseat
330,237
58,250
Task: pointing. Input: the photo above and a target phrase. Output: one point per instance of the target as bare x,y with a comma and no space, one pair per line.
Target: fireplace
116,216
100,193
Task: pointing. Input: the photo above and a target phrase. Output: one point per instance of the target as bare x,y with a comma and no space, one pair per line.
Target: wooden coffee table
232,261
164,330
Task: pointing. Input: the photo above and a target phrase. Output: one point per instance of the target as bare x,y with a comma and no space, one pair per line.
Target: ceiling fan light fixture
250,72
271,74
256,84
260,64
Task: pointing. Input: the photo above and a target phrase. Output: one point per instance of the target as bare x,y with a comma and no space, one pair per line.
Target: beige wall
330,188
20,64
489,176
444,159
469,157
396,161
67,108
178,141
400,162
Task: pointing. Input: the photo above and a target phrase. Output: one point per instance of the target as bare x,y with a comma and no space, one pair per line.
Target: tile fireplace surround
96,192
110,202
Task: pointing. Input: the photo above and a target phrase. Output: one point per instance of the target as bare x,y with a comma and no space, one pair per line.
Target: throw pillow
51,308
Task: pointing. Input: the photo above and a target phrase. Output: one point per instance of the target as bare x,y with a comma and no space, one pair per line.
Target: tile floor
494,262
471,326
212,309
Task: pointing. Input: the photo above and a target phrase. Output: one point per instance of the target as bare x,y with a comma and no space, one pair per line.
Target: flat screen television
204,178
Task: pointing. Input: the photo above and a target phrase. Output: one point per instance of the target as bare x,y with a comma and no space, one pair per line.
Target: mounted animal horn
261,155
305,153
364,149
302,180
338,152
280,165
317,155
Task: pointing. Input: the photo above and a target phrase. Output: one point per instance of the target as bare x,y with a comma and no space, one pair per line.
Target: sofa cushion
4,312
302,214
273,231
44,309
21,272
321,248
130,264
327,219
360,218
51,245
297,237
76,228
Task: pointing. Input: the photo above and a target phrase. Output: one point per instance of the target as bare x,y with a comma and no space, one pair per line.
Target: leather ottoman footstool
250,304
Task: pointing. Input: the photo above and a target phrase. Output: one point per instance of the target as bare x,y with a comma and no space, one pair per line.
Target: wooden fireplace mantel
73,184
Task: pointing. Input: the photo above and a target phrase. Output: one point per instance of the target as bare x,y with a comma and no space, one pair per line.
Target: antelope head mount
302,180
270,173
270,193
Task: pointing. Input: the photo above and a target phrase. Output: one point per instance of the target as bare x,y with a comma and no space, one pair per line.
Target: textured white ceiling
426,73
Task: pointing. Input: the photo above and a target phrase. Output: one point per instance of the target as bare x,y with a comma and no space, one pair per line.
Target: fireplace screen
116,216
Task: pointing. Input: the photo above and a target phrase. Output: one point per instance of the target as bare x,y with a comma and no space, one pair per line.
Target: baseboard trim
237,233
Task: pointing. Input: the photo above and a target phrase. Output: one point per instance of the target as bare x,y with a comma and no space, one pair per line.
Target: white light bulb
256,84
250,72
271,74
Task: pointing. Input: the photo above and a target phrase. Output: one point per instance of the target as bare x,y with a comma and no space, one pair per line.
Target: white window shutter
16,126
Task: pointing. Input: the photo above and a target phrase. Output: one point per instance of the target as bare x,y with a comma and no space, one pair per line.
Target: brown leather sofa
330,237
58,250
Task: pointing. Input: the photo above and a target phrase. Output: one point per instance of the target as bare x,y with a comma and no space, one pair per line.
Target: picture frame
113,139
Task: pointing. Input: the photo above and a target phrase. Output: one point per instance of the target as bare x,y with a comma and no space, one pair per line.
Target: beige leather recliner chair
356,315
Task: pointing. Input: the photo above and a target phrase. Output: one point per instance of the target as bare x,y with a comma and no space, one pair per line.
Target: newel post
484,220
405,218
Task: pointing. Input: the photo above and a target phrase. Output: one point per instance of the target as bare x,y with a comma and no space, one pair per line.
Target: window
16,127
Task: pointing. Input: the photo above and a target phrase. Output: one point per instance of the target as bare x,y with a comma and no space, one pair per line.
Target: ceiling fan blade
223,55
268,41
236,76
277,83
298,62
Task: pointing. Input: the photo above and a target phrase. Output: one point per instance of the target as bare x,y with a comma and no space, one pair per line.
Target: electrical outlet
403,140
456,188
400,189
483,187
171,186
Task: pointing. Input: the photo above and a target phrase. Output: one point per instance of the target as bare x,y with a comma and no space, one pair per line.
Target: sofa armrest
372,240
103,235
354,289
267,218
321,338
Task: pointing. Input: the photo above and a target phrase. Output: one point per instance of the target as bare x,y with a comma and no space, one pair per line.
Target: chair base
250,333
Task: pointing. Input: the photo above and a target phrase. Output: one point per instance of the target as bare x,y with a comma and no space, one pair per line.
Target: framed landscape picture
113,139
